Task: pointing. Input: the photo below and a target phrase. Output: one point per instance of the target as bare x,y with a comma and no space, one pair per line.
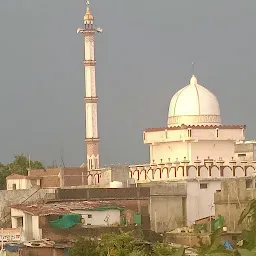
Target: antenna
29,162
193,67
62,158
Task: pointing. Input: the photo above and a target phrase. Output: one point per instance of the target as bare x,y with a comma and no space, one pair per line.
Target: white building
245,151
194,148
194,129
17,181
32,219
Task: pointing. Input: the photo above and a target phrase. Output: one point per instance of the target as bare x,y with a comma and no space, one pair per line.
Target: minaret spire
87,5
193,68
91,99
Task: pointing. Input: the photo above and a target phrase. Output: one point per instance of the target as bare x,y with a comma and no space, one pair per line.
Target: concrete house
35,219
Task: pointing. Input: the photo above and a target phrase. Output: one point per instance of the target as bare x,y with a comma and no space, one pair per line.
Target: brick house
49,178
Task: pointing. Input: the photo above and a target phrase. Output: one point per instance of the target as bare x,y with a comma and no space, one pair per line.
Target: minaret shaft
90,99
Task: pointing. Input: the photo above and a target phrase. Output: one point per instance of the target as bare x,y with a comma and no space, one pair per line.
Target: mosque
194,149
194,129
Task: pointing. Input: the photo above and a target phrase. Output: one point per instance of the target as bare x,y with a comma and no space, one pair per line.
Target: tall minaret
90,99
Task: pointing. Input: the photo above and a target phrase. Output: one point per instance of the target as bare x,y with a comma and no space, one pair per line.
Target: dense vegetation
125,244
247,246
19,165
122,244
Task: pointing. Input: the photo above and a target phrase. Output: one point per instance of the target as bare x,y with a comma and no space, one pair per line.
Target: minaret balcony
92,140
90,62
91,99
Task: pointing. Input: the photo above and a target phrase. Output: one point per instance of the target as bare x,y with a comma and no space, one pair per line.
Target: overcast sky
143,57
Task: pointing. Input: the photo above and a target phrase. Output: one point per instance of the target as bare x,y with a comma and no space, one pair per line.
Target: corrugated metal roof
62,207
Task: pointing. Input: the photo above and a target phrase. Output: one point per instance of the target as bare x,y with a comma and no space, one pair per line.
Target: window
189,133
249,183
13,186
241,155
203,185
217,133
19,222
89,216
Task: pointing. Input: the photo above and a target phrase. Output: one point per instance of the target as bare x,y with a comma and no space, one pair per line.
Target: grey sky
143,57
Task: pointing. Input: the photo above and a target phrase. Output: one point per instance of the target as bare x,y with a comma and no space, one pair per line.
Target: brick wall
50,177
103,193
61,177
75,176
43,251
44,221
63,235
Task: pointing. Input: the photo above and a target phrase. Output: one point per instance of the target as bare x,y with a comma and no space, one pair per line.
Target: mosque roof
192,101
181,127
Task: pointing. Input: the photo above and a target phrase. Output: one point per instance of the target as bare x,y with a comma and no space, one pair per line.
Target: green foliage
180,252
138,253
249,214
19,165
162,250
249,236
125,244
121,244
215,247
246,252
84,247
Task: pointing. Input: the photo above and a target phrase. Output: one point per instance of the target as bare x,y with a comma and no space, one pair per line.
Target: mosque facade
194,148
194,130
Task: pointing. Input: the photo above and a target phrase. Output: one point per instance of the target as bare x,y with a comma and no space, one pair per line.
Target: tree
19,165
84,247
249,236
121,244
160,249
215,248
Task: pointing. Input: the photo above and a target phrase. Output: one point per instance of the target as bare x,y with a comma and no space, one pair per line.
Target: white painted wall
97,217
170,135
213,149
14,214
171,144
36,231
169,151
30,227
200,202
20,184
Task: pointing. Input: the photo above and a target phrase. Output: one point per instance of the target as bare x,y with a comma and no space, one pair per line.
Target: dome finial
193,67
87,5
88,15
193,80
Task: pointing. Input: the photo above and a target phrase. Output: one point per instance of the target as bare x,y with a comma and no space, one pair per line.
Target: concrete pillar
61,177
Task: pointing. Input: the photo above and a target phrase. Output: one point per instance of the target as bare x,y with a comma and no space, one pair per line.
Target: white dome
194,105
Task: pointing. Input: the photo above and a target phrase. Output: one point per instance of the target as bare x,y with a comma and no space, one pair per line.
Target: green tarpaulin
137,218
66,221
219,222
105,208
